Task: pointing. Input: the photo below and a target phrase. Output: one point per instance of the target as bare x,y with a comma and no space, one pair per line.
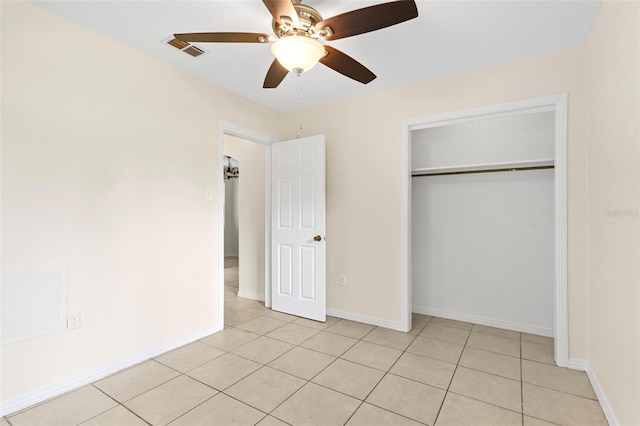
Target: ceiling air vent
193,51
185,47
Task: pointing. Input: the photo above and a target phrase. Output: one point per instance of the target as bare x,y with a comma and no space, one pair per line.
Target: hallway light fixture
298,53
231,169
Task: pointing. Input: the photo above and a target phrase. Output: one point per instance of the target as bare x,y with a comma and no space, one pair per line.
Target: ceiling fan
298,29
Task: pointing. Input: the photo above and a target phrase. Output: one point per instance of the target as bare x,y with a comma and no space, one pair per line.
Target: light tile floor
269,368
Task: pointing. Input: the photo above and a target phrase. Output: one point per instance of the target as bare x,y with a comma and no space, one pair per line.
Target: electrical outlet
73,321
343,279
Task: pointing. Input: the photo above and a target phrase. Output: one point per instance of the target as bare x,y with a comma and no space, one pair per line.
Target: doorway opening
557,105
231,174
252,202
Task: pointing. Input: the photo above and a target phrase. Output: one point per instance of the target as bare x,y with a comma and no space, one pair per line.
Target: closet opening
485,220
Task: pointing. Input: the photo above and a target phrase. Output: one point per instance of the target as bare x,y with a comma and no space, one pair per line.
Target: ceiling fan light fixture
298,53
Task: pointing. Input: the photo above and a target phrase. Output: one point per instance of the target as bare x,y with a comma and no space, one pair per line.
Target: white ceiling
447,37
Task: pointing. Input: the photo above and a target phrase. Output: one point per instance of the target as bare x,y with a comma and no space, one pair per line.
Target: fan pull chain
298,102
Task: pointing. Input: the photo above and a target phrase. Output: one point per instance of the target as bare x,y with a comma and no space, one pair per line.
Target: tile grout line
404,351
243,377
481,371
197,405
386,372
361,339
117,402
453,375
373,388
314,376
382,378
307,381
262,365
173,378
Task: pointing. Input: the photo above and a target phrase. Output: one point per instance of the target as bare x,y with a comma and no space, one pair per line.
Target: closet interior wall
483,221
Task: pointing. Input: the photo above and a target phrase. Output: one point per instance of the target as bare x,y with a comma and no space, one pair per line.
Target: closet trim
556,103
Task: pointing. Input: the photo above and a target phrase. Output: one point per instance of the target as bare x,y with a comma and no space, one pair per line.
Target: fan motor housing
308,18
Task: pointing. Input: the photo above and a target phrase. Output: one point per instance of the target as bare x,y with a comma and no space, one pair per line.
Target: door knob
317,238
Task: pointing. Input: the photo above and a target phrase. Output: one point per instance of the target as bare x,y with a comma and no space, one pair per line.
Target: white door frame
232,129
557,103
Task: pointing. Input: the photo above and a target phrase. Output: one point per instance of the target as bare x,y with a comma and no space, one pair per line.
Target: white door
298,227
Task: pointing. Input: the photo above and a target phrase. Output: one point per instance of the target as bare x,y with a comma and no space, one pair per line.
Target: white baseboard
365,319
252,296
602,398
578,364
491,322
583,365
63,386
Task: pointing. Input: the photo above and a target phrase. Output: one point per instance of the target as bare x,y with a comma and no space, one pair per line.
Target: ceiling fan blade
346,65
275,75
368,19
279,8
223,37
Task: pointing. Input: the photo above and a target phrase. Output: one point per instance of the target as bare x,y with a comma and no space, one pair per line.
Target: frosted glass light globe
298,53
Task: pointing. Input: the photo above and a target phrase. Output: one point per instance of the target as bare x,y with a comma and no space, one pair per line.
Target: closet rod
466,172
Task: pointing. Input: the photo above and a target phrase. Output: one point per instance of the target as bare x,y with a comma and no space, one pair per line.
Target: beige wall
105,165
106,156
364,178
613,174
251,214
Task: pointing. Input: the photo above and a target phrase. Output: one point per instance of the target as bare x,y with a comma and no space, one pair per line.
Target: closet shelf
512,165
